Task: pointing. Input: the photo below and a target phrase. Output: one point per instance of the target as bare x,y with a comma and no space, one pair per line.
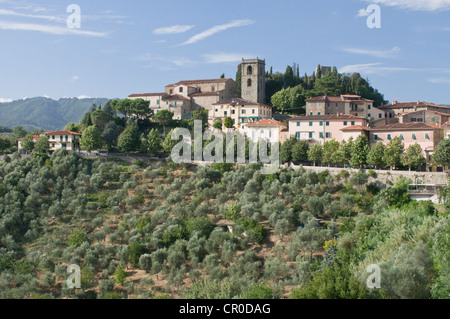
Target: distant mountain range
44,113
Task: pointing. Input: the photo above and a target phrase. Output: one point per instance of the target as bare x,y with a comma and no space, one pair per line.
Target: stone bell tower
253,80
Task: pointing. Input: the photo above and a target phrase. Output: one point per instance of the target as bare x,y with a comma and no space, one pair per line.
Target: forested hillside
159,230
44,113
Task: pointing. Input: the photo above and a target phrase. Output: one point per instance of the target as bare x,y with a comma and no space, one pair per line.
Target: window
321,134
250,70
157,102
380,116
345,123
171,91
53,144
369,115
225,113
321,123
175,104
297,135
253,111
369,107
243,111
389,137
249,82
213,89
375,137
427,136
310,123
401,137
60,138
432,119
328,135
318,113
353,123
298,123
328,124
217,110
233,112
53,137
311,113
310,135
181,90
67,138
336,105
329,104
414,137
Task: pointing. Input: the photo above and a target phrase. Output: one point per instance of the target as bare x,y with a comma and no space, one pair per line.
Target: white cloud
165,63
175,29
74,78
81,97
216,29
57,30
371,68
223,57
27,15
417,5
363,13
439,81
376,53
3,100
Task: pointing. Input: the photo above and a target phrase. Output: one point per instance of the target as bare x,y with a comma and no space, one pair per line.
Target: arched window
250,70
249,82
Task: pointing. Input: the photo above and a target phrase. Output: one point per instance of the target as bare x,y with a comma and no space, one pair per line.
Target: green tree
315,153
168,144
154,142
19,132
360,149
228,122
91,139
100,118
120,274
73,127
290,98
344,153
300,151
86,121
129,140
218,124
413,156
163,117
5,144
393,153
28,143
441,155
42,144
286,150
329,149
110,134
375,157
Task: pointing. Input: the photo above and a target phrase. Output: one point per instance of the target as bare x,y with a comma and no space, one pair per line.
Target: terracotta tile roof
239,101
417,104
267,122
35,137
404,126
193,82
340,117
175,97
147,94
62,133
205,94
355,128
341,98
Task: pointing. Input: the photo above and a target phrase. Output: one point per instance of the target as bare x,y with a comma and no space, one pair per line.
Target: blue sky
126,47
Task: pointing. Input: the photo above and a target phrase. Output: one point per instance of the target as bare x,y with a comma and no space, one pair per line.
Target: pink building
323,128
427,136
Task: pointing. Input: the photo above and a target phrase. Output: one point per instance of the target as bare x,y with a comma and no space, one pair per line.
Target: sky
125,47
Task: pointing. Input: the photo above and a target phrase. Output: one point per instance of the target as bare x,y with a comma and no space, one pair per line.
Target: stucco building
410,107
322,128
344,104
